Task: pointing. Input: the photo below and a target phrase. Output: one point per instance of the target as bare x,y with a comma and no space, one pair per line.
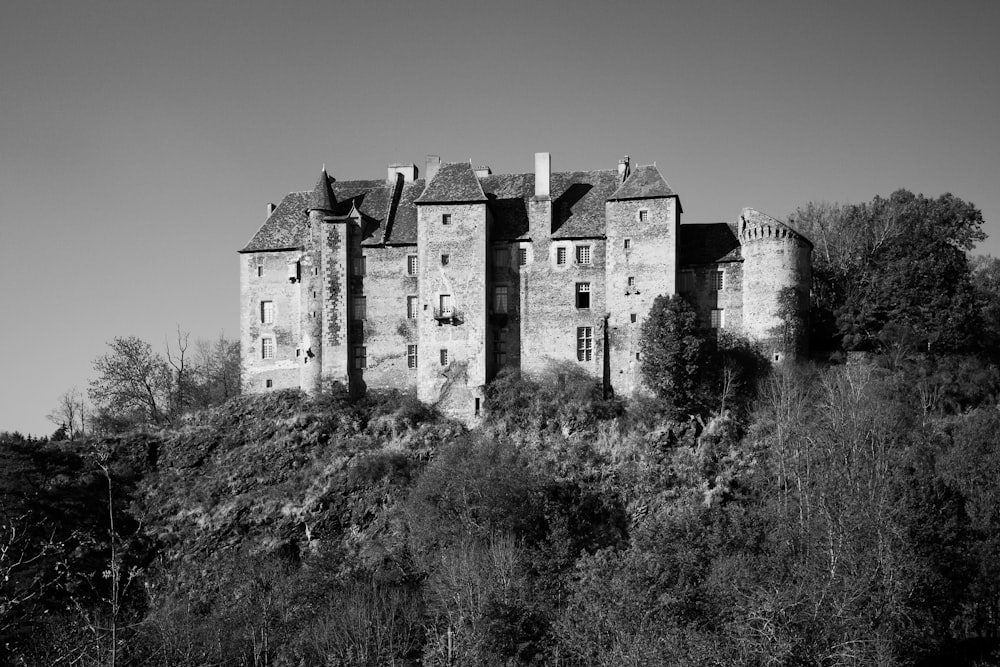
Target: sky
140,142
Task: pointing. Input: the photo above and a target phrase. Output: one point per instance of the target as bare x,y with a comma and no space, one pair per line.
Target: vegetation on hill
808,514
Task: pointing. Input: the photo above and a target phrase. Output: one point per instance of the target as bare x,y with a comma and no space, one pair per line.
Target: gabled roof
285,228
707,243
577,202
321,198
643,183
454,182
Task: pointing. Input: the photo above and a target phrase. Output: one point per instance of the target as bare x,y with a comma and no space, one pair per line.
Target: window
411,356
267,348
583,295
560,255
360,357
359,265
260,271
718,280
411,307
643,215
631,318
446,305
298,352
583,254
268,383
631,282
522,256
444,356
584,343
360,308
499,348
500,299
267,312
411,265
477,406
687,281
315,270
501,257
718,320
446,218
627,244
445,259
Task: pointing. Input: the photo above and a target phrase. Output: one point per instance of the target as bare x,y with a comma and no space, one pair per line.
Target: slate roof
285,228
389,211
643,183
577,202
454,182
321,198
708,243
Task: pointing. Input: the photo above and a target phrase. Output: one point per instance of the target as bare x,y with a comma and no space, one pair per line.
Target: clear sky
141,141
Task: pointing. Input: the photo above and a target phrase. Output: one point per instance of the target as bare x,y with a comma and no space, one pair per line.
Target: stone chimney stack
543,175
431,167
623,169
409,172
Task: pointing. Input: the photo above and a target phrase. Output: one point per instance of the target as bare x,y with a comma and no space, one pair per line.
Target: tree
894,271
217,365
70,413
673,353
133,381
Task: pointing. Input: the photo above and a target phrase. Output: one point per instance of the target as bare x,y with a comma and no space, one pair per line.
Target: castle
435,284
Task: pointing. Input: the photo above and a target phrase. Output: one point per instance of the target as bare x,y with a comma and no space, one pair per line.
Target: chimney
483,171
543,174
623,169
270,209
409,172
432,165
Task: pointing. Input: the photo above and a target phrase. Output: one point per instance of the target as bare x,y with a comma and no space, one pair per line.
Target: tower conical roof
322,197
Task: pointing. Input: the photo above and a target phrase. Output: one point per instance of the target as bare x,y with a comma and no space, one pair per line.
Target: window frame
642,215
561,256
359,308
583,255
267,312
359,266
581,289
443,310
412,307
412,265
717,318
522,256
443,356
411,356
446,218
267,347
718,281
585,344
501,299
360,357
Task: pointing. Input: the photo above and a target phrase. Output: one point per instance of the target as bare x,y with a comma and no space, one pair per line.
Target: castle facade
435,284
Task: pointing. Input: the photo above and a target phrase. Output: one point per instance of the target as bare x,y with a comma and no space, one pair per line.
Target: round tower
311,284
776,281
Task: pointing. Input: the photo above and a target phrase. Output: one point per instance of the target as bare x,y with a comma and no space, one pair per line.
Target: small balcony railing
448,316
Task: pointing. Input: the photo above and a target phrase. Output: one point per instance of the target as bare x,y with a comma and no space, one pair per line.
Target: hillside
832,516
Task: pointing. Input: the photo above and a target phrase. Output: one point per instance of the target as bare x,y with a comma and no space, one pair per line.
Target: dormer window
446,218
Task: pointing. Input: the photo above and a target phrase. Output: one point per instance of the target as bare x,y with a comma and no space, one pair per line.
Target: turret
776,280
311,287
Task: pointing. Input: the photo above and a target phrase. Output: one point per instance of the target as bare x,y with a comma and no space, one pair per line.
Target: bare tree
218,364
182,384
71,412
133,381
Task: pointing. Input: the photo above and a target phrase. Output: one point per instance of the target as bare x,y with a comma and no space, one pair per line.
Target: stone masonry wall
695,283
455,386
335,241
386,330
272,285
549,315
650,260
773,262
